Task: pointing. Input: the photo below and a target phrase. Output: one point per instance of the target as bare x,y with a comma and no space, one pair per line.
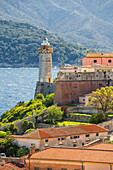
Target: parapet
75,76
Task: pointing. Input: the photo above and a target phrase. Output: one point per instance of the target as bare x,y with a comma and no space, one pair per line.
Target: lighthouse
45,83
45,62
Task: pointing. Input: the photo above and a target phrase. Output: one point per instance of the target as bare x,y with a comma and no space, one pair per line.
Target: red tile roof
76,154
92,128
62,131
43,134
102,146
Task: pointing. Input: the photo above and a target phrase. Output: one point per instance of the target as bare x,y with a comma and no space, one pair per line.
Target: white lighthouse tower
45,62
45,84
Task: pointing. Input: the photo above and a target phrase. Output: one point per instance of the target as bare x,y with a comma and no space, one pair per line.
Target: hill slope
19,43
89,22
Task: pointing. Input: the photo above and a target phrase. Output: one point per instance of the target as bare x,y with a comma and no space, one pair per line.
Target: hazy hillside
89,22
19,45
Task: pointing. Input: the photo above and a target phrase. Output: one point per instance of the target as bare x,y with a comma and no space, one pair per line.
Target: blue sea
17,84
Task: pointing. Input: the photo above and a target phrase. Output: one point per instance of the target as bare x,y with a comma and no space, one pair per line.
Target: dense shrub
49,100
97,118
22,151
27,125
12,128
3,134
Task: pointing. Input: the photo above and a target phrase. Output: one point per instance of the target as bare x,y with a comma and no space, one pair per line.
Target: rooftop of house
98,55
9,166
102,146
62,131
74,154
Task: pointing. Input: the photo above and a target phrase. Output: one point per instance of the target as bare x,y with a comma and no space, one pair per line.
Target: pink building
105,59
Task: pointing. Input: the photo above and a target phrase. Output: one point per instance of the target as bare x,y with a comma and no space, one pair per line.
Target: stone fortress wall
70,86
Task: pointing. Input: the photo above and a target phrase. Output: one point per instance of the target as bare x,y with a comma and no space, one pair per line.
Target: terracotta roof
98,55
76,154
10,166
92,128
103,146
43,134
62,131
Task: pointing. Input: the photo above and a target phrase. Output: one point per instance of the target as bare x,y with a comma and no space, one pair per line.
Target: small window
82,144
109,61
49,168
87,135
35,168
78,136
97,134
71,137
74,137
62,138
83,99
100,84
74,145
95,61
58,139
46,140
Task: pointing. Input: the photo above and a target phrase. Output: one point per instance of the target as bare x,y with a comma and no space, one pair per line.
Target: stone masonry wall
68,92
45,88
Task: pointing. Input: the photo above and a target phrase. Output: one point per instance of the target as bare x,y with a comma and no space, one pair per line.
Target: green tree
97,118
54,113
12,150
12,128
27,125
31,125
102,99
22,151
49,100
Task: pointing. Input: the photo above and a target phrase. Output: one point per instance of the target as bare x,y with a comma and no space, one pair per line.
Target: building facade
63,136
105,59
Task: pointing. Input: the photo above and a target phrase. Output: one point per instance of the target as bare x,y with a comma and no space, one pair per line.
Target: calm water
17,84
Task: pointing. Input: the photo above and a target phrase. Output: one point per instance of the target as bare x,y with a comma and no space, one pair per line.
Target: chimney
32,148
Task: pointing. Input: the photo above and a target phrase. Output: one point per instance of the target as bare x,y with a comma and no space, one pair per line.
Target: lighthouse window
49,80
95,61
109,61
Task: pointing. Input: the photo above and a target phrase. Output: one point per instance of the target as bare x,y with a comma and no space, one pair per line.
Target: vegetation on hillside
26,109
19,45
80,21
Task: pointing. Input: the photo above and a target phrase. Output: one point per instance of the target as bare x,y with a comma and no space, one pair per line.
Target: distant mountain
89,22
19,43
